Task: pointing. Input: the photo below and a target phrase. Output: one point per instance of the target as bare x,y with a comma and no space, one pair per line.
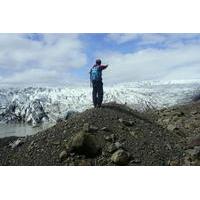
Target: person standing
97,83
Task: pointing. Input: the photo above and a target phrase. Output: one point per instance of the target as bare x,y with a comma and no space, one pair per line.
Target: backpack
95,74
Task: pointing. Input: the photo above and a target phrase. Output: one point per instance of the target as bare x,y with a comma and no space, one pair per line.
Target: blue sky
59,59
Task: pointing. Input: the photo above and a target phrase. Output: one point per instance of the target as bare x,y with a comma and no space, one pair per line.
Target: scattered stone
120,120
86,127
195,141
194,112
194,153
89,128
67,147
112,148
63,155
187,125
120,157
131,123
16,143
169,146
110,138
69,114
71,164
172,127
56,142
86,144
187,161
85,162
118,145
166,121
160,121
135,161
180,114
30,147
93,129
126,123
134,134
104,129
104,153
174,162
72,154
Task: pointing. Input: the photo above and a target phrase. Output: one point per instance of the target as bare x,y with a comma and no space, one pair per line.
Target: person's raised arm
103,67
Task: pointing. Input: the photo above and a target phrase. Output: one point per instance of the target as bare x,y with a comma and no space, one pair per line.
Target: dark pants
97,93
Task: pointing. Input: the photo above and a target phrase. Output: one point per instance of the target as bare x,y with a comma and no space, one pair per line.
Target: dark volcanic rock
86,144
63,155
70,114
195,141
120,157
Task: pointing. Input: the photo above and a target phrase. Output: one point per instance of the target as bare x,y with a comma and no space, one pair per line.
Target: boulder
69,114
195,141
196,97
120,157
86,144
63,155
194,153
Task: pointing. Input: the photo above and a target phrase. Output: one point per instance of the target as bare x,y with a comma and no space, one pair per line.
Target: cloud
29,77
57,59
182,62
122,37
147,39
30,57
52,51
40,77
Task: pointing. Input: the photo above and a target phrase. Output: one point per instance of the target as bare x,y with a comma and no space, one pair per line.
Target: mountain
35,105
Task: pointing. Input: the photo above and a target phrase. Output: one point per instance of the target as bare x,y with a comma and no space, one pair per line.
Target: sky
65,59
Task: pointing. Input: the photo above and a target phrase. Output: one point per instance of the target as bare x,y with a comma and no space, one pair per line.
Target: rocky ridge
111,135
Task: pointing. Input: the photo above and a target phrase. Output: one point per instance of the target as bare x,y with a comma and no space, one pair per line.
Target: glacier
34,105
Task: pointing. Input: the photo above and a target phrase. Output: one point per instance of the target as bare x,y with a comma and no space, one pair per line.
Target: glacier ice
36,104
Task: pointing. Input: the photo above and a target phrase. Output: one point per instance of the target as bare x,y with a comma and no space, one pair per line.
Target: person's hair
98,61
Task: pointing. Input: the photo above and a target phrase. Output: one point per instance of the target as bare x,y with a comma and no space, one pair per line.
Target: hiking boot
98,106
